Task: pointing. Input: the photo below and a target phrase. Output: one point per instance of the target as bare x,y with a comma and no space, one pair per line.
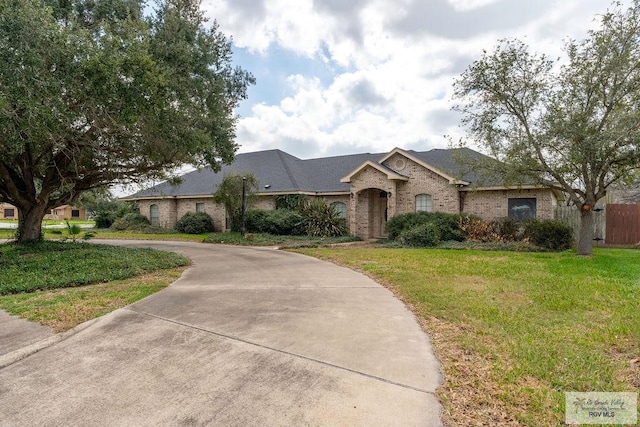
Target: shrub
106,212
508,229
130,222
423,235
322,220
194,223
503,230
549,234
448,225
279,222
546,234
104,219
476,229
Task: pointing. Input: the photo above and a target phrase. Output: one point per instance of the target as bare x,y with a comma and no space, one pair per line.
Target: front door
380,215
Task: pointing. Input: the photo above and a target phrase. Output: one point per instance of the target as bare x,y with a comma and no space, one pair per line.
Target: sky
340,77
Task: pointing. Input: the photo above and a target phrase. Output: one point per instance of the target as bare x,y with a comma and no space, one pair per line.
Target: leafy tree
93,92
229,194
571,123
104,208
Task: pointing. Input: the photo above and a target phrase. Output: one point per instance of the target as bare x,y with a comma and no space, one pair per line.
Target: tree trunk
30,223
585,239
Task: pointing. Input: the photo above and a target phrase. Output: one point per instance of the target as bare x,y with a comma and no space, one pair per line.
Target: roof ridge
287,169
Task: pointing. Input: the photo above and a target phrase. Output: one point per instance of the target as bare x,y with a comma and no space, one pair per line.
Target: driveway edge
24,352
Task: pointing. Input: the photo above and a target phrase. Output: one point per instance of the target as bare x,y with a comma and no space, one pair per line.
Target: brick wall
167,210
170,210
264,202
444,195
216,211
493,204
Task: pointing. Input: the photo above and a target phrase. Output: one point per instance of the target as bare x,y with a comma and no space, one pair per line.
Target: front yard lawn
515,331
47,265
64,284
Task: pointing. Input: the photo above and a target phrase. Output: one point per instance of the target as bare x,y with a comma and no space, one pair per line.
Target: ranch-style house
367,189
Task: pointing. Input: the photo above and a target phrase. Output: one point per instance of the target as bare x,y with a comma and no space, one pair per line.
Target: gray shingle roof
285,173
456,162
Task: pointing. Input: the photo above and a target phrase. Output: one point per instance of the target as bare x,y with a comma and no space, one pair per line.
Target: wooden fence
617,224
571,216
623,224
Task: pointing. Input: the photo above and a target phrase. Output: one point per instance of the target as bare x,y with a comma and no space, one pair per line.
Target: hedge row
429,229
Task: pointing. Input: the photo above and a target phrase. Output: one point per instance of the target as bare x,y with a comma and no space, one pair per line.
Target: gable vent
399,164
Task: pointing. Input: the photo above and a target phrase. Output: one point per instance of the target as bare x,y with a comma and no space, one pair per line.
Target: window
520,209
154,213
75,213
200,207
9,213
340,208
423,203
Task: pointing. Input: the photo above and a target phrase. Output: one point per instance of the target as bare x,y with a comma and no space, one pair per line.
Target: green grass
58,234
48,222
62,309
514,331
132,235
260,239
47,265
253,239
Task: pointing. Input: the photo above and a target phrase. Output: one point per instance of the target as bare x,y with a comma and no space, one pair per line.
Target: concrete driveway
246,337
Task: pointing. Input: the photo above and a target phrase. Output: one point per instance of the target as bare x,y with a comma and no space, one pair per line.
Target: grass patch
253,239
132,235
101,233
514,331
261,239
47,265
63,309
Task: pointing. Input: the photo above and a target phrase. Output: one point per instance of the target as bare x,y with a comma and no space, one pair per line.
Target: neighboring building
8,211
367,189
67,212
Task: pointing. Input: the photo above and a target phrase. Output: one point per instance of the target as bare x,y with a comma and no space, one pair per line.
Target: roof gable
390,173
421,161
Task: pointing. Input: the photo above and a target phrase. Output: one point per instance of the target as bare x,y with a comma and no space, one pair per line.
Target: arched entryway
372,212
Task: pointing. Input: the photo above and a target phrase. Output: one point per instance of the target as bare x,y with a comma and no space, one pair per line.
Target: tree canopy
92,92
572,122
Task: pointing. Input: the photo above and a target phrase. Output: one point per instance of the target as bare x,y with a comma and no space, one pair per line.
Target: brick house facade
367,188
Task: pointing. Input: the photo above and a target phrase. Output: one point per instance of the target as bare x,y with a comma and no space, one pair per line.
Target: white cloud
398,60
466,5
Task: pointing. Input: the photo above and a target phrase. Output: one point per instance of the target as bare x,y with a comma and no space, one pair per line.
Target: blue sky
346,76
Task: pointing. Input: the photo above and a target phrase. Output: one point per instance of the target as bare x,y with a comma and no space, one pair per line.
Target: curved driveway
246,337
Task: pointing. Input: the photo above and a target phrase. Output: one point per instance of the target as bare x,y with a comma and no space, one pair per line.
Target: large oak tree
94,92
573,123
